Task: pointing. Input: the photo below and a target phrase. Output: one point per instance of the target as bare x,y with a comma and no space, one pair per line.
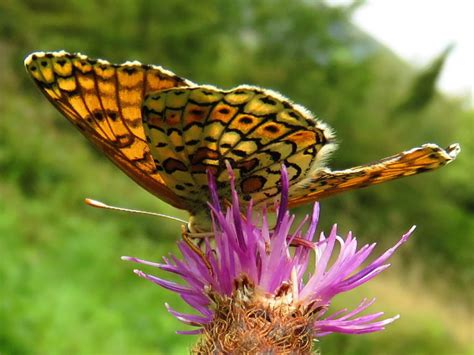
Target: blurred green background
63,287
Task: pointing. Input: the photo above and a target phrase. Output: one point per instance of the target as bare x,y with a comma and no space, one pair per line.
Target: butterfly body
166,132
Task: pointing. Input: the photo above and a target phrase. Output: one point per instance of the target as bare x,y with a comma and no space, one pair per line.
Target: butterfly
166,132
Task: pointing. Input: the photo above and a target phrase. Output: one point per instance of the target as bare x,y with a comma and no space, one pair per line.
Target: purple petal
172,286
211,182
240,247
188,318
140,261
284,197
343,324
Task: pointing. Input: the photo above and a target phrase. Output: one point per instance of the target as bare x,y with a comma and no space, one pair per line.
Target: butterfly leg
196,248
300,242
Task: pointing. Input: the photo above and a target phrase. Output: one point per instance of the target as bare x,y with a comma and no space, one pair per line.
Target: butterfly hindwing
194,129
104,101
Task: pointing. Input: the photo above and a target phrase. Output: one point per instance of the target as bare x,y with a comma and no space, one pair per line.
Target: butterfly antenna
98,204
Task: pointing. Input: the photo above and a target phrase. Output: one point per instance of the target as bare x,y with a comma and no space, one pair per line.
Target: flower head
262,286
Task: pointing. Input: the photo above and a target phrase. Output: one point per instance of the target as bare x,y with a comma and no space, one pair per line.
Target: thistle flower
253,286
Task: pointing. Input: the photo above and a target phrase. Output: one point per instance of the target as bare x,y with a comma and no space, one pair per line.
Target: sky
418,30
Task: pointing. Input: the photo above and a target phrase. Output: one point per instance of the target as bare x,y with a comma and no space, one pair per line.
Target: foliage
424,85
62,285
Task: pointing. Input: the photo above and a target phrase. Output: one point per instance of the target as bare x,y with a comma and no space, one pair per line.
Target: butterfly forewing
104,101
324,182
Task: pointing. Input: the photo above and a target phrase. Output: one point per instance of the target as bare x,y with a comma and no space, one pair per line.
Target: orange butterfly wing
324,182
197,128
104,101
